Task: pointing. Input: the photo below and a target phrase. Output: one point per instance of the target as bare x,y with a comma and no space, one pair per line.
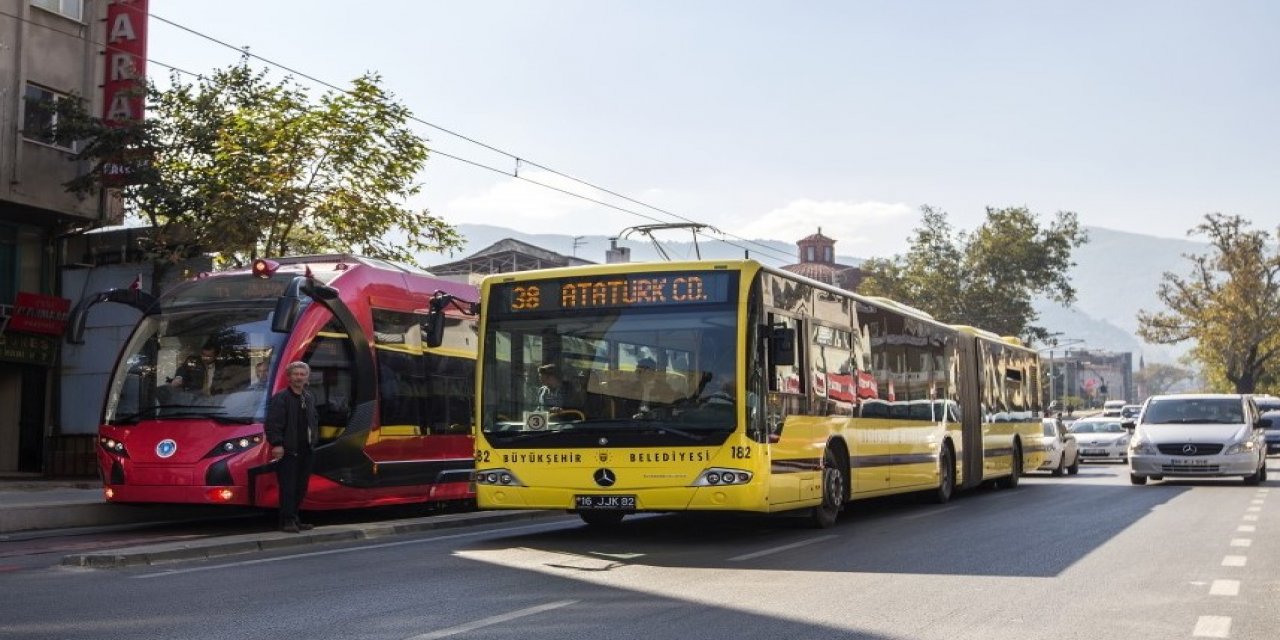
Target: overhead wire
516,158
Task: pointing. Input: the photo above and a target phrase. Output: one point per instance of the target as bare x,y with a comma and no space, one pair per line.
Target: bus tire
601,518
1015,472
835,481
946,475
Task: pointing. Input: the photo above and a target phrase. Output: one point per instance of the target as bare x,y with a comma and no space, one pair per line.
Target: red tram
183,418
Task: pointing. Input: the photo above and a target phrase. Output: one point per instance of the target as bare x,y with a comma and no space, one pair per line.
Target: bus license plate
611,503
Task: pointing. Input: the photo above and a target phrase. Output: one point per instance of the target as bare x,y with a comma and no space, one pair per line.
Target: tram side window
450,392
332,361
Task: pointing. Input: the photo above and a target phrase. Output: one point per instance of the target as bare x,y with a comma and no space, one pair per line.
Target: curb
37,517
269,541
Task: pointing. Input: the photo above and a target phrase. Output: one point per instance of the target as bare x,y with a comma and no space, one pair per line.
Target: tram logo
166,448
604,477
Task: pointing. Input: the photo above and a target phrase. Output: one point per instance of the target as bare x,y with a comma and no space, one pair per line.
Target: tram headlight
234,445
113,446
716,476
498,477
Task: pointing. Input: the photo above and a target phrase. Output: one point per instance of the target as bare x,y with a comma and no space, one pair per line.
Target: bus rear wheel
1015,473
601,518
946,476
834,482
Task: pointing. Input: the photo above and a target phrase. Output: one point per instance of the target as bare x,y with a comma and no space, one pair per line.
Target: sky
773,119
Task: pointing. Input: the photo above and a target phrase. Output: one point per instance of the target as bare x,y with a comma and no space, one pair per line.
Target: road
1085,556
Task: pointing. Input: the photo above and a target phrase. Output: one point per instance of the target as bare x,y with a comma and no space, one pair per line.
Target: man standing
291,426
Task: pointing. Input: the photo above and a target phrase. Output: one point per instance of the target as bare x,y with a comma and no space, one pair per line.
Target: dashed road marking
1241,542
785,547
1254,509
1225,588
506,617
1246,528
1251,517
1213,627
1257,502
1234,561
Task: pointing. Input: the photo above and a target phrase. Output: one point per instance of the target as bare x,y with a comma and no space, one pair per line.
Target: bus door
970,459
790,452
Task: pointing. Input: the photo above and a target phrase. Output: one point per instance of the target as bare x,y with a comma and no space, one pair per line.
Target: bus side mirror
782,346
433,328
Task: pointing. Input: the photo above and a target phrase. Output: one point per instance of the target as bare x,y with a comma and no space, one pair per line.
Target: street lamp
1054,343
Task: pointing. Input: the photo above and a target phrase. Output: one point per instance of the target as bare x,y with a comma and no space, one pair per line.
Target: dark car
1269,408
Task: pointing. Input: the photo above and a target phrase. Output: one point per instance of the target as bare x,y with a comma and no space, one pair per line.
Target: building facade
50,50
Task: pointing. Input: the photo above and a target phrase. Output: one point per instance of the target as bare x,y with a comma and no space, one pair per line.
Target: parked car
1269,408
1198,435
1061,452
1101,438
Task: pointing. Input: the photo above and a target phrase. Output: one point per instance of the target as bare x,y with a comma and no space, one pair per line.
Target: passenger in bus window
651,391
554,394
202,374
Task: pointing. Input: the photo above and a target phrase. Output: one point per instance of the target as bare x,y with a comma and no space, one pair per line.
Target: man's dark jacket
287,421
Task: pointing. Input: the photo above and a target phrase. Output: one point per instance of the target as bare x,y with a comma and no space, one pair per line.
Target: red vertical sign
124,89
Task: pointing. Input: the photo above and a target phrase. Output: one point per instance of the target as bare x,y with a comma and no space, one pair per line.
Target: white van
1112,408
1196,436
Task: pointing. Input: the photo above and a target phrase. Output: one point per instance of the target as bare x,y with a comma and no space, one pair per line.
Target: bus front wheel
834,482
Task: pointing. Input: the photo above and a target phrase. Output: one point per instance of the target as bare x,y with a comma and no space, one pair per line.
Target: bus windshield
631,376
209,363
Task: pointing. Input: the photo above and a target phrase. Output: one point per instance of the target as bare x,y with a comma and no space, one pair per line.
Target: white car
1101,438
1199,435
1060,450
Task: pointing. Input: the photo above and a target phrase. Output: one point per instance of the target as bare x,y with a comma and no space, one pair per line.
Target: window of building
40,118
73,9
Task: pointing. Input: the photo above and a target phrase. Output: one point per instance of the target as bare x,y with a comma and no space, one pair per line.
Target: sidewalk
36,504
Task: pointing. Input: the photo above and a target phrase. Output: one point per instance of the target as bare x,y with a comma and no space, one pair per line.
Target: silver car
1200,435
1101,438
1060,450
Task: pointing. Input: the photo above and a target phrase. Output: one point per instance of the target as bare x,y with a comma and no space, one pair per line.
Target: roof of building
505,256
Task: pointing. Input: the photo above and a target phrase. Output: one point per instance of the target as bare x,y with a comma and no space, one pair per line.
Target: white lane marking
1264,491
1234,561
1225,588
313,554
931,512
1254,509
1213,627
1241,542
785,547
1246,528
1257,502
1252,517
506,617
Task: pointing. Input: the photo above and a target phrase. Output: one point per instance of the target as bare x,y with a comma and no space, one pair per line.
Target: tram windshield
206,363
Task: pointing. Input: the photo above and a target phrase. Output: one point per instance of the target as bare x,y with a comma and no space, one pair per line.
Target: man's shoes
305,527
291,527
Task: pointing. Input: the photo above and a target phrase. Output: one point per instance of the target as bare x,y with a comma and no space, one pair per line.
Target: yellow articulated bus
731,386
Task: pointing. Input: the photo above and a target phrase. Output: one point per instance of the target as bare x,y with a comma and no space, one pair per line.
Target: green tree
986,278
241,166
1227,305
1158,378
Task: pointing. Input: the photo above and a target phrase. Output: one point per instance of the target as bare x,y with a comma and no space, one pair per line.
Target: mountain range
1116,274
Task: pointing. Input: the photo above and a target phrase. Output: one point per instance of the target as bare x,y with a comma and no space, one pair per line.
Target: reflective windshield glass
1194,410
630,375
196,364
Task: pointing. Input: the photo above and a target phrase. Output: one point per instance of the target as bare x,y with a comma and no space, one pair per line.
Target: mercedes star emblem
604,477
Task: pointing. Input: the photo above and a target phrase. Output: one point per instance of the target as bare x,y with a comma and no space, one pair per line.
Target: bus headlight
498,478
718,476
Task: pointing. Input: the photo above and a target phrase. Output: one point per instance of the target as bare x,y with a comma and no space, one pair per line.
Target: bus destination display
615,292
